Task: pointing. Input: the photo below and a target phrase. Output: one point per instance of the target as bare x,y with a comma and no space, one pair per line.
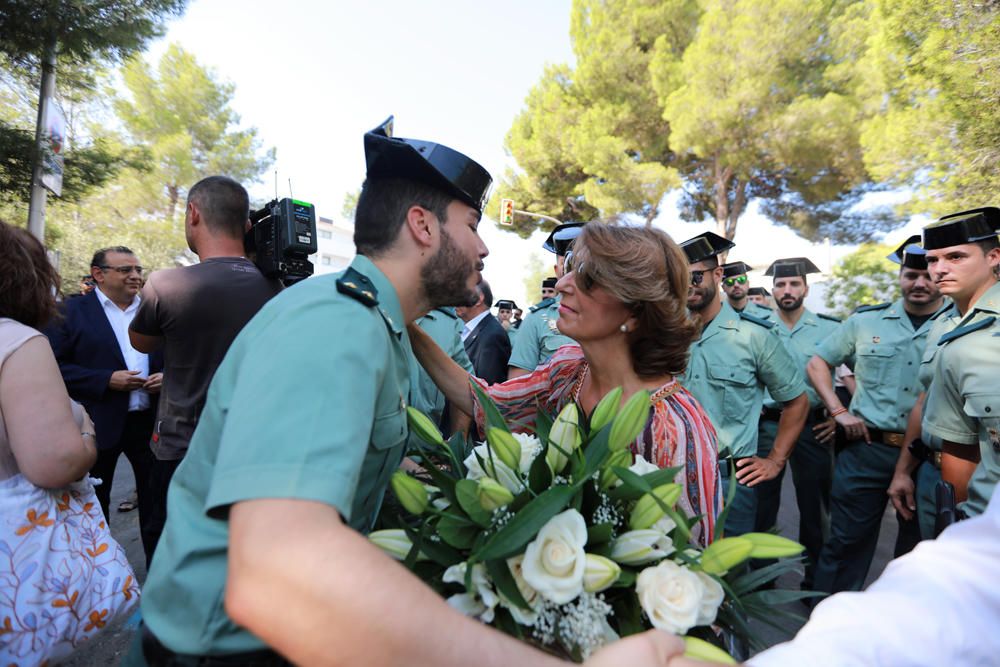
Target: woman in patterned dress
623,299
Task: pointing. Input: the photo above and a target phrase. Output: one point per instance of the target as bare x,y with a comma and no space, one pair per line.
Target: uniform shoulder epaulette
449,311
544,303
824,316
945,310
756,320
877,306
357,286
760,305
968,328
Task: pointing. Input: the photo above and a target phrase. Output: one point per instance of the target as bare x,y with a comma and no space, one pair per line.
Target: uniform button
909,363
696,377
989,409
906,389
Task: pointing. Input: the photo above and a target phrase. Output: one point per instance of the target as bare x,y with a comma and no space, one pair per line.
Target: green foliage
862,278
535,271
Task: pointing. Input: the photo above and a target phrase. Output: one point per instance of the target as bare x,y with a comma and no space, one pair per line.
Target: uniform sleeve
147,317
459,355
944,410
302,408
525,351
838,347
777,370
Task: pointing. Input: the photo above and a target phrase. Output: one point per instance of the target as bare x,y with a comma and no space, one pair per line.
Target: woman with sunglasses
624,301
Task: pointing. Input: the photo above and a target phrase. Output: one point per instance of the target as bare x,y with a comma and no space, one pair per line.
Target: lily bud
641,546
393,542
699,649
766,545
606,410
599,573
411,493
630,421
620,459
564,435
493,494
505,447
725,554
424,427
647,510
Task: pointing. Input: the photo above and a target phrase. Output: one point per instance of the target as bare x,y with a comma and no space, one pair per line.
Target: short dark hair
100,257
382,208
27,278
223,203
484,289
712,262
989,244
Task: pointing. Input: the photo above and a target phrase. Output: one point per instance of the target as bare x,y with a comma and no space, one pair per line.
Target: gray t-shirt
198,310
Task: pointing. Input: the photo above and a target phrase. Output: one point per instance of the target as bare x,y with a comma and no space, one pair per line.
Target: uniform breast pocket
390,429
738,386
985,409
874,363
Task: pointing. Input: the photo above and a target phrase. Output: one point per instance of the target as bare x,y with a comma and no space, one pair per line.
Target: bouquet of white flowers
565,539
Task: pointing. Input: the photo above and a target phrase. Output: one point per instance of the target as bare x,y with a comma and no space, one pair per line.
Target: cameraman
195,312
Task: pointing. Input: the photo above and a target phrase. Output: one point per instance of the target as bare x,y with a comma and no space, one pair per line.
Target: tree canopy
862,278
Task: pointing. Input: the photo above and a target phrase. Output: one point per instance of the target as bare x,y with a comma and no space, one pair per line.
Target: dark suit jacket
87,352
488,347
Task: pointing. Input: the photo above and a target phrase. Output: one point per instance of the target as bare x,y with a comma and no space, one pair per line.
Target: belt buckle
893,439
936,459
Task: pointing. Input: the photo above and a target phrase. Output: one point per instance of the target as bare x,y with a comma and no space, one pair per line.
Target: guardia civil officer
963,402
736,285
736,358
263,560
760,296
801,330
445,328
886,342
538,337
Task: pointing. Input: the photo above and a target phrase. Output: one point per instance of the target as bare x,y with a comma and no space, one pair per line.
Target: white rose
480,601
526,617
530,447
554,563
495,469
671,596
711,599
641,546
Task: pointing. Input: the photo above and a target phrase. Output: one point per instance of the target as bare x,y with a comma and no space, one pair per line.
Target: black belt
158,655
886,437
774,414
922,452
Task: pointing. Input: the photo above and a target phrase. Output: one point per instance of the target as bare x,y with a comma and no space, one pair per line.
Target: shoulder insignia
968,328
447,310
756,320
824,316
877,306
357,286
944,310
544,303
760,305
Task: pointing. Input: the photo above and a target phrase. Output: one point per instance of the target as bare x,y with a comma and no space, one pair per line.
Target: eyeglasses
738,280
574,265
124,270
698,276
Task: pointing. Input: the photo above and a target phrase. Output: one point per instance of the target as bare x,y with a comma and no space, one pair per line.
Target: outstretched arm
451,379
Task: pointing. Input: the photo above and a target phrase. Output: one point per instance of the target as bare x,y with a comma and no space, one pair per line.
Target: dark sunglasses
698,276
124,270
738,280
573,264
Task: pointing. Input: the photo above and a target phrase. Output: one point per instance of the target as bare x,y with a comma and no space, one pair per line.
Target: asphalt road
110,647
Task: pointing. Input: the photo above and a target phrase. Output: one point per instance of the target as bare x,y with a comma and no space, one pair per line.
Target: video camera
282,235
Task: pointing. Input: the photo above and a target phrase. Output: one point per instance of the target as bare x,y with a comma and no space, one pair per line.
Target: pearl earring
624,328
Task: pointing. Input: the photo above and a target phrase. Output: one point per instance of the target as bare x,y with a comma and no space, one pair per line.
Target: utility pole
36,206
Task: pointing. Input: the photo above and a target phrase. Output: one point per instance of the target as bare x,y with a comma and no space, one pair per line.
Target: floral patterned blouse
678,434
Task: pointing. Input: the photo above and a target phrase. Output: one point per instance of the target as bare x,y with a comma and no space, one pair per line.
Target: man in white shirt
108,376
486,342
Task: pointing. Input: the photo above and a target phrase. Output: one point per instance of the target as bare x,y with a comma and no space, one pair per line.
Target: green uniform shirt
945,321
309,403
444,327
730,366
963,405
801,341
538,337
886,352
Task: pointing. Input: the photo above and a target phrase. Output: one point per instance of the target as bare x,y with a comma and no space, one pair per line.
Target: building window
325,234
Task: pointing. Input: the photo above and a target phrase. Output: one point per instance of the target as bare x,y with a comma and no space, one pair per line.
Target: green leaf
457,532
652,479
599,533
626,579
595,454
543,424
754,579
505,623
458,448
777,597
493,417
436,550
504,581
512,538
467,492
628,614
540,474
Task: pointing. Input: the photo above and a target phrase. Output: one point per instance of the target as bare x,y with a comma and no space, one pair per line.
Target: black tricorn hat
505,304
562,237
976,224
434,164
549,282
758,291
910,254
705,246
791,267
735,269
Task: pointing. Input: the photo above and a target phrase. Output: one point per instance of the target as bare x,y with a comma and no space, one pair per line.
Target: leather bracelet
839,411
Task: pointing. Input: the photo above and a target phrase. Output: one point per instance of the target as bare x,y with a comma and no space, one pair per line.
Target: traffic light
506,211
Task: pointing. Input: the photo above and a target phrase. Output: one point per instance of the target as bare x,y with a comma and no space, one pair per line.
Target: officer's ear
421,226
717,274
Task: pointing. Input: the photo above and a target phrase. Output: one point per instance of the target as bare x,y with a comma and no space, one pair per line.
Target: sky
313,77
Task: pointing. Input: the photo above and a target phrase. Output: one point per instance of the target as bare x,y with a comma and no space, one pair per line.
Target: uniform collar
895,311
726,318
388,301
989,302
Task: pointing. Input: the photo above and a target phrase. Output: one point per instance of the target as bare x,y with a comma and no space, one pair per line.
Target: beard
705,294
446,275
791,306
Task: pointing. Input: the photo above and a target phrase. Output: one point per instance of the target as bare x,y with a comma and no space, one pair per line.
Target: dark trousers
134,444
811,463
147,651
742,510
160,474
857,502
